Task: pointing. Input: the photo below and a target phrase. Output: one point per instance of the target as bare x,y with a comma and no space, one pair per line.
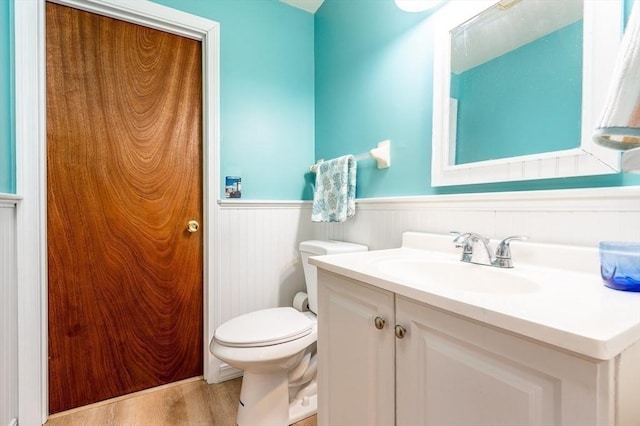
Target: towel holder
382,154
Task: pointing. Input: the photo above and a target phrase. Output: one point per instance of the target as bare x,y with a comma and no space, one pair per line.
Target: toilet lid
264,328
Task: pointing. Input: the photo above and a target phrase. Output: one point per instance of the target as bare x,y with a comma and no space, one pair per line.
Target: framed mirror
518,88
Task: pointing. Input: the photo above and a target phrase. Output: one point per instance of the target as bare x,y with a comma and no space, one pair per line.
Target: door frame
31,232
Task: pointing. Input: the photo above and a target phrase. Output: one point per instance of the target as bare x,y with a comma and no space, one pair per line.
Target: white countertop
572,309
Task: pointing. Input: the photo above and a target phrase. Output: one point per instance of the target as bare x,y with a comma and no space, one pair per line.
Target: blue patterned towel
334,198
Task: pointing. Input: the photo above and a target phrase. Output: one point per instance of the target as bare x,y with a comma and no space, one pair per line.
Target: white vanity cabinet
450,370
356,373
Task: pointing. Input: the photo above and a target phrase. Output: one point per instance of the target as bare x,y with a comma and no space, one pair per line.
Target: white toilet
276,348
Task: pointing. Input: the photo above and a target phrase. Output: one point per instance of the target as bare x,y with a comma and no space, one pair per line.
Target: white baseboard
228,372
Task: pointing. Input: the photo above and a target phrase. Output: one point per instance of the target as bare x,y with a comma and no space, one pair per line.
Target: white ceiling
308,5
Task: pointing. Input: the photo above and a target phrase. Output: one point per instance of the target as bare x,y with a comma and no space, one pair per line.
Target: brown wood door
124,152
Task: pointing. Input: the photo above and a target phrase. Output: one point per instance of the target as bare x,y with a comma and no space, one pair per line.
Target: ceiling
308,5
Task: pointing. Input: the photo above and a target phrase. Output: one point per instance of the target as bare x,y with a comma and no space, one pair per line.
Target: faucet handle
460,237
503,251
467,238
466,241
463,240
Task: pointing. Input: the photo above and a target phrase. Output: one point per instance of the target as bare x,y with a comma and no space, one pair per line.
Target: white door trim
30,92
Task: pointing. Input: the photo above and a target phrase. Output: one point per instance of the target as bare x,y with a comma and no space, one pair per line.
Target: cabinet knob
400,331
379,323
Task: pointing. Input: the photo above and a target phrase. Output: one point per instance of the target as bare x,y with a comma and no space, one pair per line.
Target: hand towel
334,197
619,126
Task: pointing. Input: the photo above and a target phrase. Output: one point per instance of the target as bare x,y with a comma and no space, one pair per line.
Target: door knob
379,323
193,226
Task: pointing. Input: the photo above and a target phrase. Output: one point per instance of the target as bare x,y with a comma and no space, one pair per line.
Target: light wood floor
190,402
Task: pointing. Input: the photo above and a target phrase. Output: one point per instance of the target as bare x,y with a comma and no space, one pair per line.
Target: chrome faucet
470,240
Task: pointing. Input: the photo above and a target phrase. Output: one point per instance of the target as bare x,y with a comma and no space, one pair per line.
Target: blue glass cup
620,265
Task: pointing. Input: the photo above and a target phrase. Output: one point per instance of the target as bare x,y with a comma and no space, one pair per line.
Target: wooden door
124,150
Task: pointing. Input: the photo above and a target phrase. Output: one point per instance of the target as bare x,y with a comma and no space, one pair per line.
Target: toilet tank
319,248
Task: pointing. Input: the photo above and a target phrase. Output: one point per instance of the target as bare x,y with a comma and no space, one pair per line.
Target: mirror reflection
516,80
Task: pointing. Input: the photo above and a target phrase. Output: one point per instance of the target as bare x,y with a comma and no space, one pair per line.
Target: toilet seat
264,328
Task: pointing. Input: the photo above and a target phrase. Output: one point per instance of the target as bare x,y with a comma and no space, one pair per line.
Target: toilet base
264,400
305,404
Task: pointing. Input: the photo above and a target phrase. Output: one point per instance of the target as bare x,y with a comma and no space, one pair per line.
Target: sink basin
458,276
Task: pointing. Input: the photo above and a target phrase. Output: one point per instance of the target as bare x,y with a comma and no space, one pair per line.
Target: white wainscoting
257,245
8,312
258,261
580,217
257,241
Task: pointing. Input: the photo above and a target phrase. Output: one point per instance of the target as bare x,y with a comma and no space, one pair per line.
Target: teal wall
496,100
266,93
7,150
374,82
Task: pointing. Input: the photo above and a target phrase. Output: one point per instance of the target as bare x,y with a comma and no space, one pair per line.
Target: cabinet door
454,371
355,359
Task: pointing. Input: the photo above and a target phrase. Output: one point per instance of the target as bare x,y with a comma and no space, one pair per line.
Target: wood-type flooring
189,402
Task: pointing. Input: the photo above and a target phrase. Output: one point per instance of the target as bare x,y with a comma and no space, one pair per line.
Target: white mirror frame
603,28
